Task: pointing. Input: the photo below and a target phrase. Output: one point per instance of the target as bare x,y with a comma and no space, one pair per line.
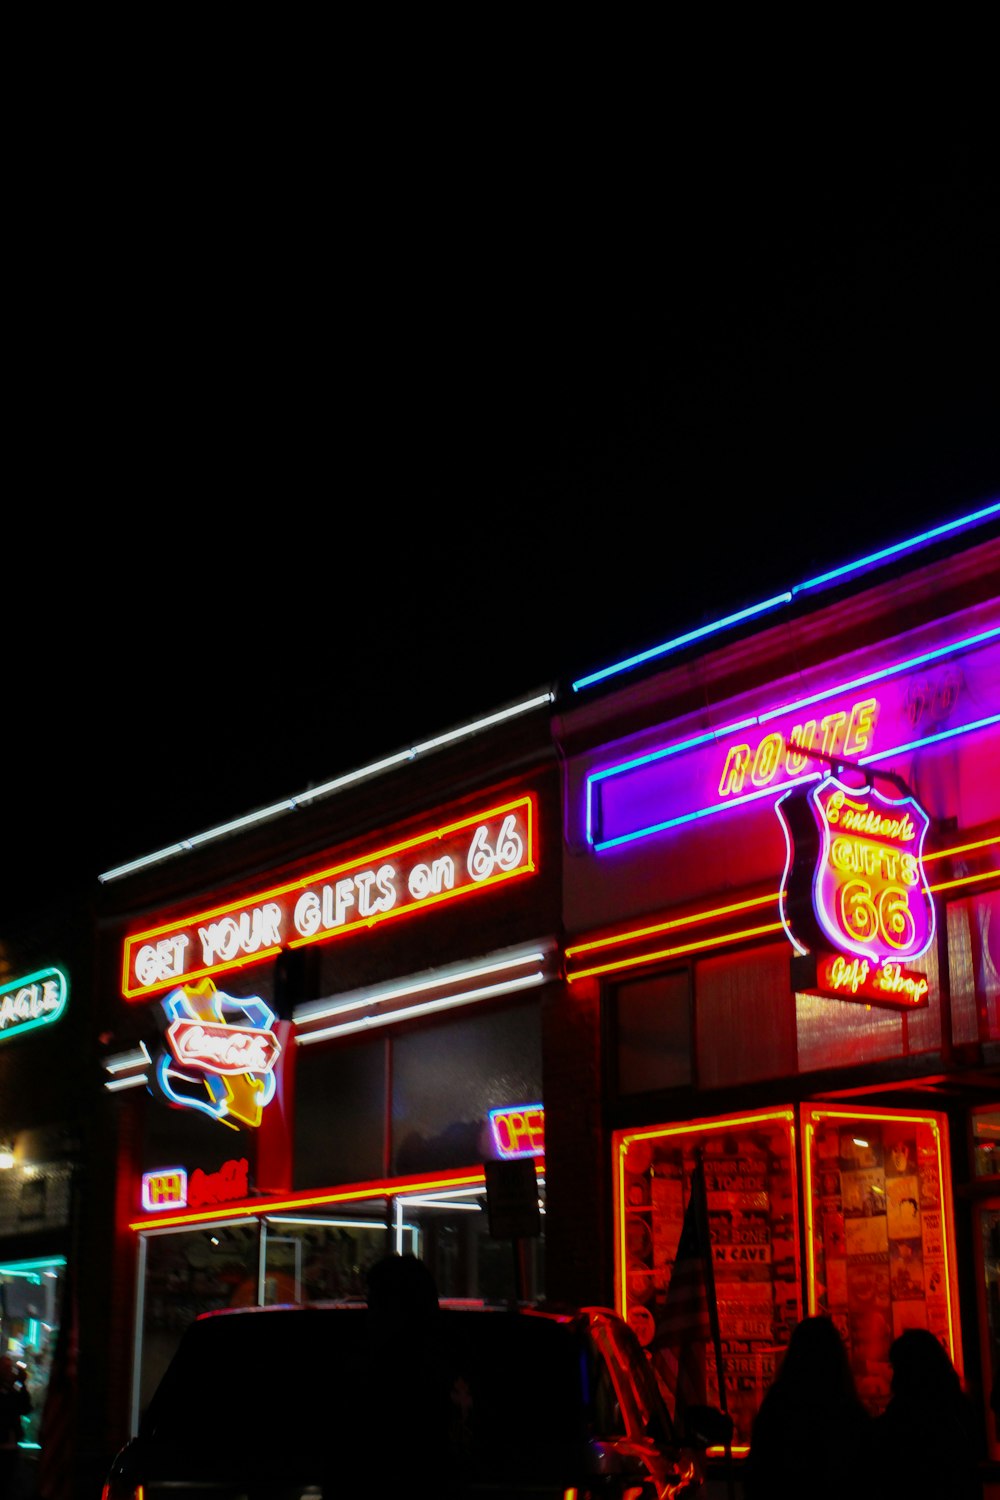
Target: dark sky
307,475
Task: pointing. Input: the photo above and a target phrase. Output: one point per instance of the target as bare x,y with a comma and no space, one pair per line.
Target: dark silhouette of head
401,1288
921,1368
816,1361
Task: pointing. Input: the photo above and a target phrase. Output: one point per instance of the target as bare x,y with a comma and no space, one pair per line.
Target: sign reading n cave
402,879
855,902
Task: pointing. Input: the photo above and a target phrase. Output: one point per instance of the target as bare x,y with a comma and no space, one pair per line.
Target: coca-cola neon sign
226,1050
219,1054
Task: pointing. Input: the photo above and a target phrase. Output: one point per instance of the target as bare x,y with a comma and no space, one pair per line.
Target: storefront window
986,1142
974,964
879,1233
987,1251
314,1255
446,1078
30,1301
752,1223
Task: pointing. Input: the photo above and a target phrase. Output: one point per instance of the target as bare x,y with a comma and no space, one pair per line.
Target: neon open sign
357,895
518,1130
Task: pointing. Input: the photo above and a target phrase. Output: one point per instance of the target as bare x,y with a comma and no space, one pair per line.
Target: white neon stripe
350,778
324,1223
138,1080
457,1192
386,1018
438,979
468,1208
122,1060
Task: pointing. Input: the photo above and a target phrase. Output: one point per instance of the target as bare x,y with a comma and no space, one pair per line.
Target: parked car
283,1403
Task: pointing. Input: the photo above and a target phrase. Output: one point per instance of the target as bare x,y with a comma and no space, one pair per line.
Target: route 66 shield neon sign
854,874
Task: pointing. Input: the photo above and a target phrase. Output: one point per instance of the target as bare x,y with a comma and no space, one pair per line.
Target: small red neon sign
164,1189
839,976
225,1186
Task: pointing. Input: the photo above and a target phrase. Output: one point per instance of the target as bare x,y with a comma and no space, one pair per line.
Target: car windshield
304,1374
235,1376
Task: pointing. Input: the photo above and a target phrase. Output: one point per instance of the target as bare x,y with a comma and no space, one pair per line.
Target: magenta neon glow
867,719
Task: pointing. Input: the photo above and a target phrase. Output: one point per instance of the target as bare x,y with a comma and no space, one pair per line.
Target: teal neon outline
20,1027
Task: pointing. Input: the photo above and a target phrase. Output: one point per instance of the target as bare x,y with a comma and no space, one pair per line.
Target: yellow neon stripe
634,934
696,947
667,926
387,1188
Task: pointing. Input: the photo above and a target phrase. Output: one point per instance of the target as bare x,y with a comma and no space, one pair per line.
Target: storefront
45,1106
332,1058
782,897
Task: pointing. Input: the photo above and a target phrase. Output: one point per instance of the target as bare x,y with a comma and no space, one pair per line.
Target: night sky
309,484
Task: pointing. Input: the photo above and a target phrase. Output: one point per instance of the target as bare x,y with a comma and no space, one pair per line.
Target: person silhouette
926,1444
15,1404
808,1437
402,1385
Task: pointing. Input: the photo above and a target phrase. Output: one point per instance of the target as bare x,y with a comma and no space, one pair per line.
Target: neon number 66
483,858
889,918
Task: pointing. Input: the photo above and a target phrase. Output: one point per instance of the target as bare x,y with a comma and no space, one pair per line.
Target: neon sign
36,1000
854,872
896,708
164,1189
210,1062
838,977
357,895
170,1187
518,1130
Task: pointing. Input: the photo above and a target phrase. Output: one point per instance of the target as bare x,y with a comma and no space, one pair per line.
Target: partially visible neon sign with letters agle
36,1000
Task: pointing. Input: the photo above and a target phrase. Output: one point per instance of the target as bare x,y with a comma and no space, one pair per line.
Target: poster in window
863,1192
927,1169
866,1236
834,1235
906,1269
901,1156
903,1208
836,1283
933,1233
